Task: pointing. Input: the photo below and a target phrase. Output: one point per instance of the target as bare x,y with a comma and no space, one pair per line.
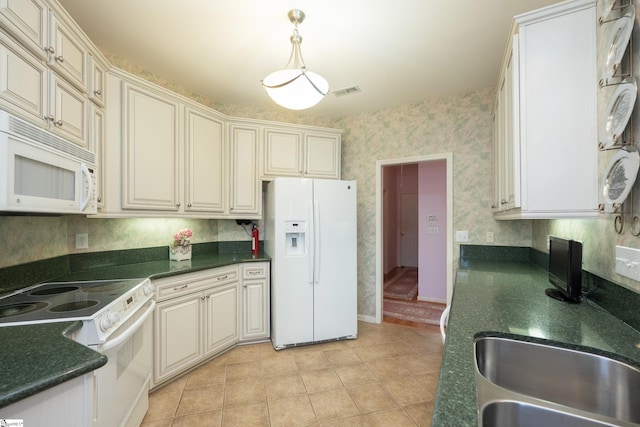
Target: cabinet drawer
255,270
171,287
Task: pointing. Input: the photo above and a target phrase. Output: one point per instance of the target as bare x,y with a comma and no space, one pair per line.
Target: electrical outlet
489,237
82,241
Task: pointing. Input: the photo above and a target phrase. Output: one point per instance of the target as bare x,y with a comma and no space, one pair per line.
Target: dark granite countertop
507,297
37,357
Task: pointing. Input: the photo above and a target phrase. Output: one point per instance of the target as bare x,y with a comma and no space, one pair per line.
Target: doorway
438,223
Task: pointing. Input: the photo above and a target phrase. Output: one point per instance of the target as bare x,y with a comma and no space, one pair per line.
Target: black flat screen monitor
565,269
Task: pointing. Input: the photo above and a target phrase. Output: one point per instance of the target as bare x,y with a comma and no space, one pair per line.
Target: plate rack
608,82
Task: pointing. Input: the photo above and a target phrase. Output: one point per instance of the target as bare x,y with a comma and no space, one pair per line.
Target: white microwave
42,173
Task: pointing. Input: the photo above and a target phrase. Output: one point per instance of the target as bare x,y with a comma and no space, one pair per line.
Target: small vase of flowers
180,246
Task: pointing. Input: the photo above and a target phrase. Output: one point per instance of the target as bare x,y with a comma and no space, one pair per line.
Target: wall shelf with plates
618,94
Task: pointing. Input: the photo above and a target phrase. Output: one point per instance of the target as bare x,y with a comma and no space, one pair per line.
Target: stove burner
23,308
108,287
54,290
72,306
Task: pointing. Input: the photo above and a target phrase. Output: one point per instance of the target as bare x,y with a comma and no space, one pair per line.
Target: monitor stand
556,294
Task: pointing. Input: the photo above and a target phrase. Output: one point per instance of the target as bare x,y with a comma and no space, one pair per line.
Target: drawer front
255,270
171,287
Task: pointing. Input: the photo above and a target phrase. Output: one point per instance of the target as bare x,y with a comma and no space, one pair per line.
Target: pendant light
295,88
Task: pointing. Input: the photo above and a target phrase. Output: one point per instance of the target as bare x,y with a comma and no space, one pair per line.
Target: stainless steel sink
510,414
557,378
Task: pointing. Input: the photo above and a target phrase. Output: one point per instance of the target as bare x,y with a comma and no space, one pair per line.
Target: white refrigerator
311,237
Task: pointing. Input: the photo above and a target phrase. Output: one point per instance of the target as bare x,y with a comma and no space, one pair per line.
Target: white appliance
116,320
311,237
42,173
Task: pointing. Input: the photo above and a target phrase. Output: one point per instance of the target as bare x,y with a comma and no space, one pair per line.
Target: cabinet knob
97,92
178,204
50,118
189,205
244,286
202,297
50,49
59,123
59,58
503,202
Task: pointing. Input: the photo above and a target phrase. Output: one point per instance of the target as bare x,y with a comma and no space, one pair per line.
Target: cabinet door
67,54
282,153
23,82
245,188
255,309
68,111
96,144
150,157
206,160
27,21
221,325
178,326
322,156
97,81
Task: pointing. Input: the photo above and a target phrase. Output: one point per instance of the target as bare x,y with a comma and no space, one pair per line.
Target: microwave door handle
84,170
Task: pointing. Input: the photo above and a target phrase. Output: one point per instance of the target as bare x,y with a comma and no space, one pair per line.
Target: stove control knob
148,289
108,320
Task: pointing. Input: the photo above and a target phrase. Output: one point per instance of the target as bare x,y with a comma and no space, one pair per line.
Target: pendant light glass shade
295,88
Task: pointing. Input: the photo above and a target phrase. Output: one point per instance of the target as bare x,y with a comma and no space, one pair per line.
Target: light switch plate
628,262
82,241
462,236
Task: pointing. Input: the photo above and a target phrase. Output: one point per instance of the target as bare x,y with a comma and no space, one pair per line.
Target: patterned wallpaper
458,124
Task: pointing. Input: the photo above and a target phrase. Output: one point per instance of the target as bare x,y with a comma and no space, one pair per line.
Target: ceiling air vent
347,91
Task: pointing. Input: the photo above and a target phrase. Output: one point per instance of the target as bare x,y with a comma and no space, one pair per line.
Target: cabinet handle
59,58
222,277
253,273
177,288
97,92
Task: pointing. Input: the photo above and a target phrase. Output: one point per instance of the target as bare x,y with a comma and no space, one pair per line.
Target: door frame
448,158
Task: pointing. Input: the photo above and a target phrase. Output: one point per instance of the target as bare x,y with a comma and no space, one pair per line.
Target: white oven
122,385
117,321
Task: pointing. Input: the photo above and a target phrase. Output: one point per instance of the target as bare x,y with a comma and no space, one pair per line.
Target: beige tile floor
386,377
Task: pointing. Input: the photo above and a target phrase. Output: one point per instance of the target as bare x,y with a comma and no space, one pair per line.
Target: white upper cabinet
206,162
549,135
24,82
282,152
150,149
67,54
322,155
296,151
246,191
27,21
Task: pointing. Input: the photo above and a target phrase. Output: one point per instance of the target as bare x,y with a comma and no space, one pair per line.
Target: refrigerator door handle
316,242
311,256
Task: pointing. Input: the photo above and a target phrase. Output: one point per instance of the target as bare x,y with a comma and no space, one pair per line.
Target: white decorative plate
618,111
617,34
621,175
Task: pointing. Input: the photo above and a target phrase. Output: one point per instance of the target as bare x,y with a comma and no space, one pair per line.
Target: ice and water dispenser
295,232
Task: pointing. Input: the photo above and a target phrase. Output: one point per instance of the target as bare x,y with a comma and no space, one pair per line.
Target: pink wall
390,220
432,247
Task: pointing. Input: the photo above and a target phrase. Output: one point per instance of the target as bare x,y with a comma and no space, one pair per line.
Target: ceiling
396,52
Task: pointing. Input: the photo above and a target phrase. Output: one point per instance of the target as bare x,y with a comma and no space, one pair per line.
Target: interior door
409,229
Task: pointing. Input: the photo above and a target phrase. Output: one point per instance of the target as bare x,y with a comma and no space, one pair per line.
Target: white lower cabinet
196,317
201,314
255,301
